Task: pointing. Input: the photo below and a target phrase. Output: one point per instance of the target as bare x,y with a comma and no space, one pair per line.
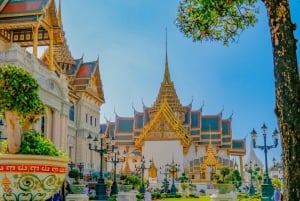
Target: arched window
72,112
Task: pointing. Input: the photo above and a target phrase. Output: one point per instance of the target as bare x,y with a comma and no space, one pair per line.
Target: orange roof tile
23,6
85,71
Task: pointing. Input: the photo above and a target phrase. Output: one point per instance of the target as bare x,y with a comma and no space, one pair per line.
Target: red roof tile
84,71
23,7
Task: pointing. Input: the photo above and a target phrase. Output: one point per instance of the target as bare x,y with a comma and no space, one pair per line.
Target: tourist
277,194
93,191
86,189
148,196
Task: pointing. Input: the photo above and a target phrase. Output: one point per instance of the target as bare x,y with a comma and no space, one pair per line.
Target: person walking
277,194
148,196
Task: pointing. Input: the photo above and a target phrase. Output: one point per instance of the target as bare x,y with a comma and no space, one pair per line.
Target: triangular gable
87,79
166,112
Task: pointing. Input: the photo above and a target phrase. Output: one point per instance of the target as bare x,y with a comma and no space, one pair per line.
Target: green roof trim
125,126
237,144
226,139
225,129
195,132
210,123
196,138
140,121
195,120
186,118
210,136
225,146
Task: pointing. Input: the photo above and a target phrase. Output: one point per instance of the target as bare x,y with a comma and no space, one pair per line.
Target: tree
223,20
236,178
165,186
224,172
19,102
183,183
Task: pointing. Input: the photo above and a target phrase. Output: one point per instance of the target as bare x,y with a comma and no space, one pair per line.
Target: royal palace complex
72,89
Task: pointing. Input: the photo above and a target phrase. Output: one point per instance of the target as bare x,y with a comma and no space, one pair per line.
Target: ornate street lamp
267,188
80,167
103,149
114,159
71,165
165,173
173,168
250,170
142,169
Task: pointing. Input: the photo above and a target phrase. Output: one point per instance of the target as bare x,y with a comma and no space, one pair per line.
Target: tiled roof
85,70
23,6
83,74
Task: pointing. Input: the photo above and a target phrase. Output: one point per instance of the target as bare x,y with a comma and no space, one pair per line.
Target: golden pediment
164,125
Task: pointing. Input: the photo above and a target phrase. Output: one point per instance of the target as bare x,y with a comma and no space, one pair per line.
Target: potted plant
31,167
129,182
76,187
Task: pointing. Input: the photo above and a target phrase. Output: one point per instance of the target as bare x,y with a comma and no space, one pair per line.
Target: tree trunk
287,89
13,129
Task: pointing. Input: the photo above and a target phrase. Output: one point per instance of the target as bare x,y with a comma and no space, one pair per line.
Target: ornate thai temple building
165,132
169,132
71,88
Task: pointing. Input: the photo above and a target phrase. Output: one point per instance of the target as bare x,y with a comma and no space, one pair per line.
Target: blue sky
128,36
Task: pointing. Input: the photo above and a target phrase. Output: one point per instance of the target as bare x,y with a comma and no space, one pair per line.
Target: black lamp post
142,169
100,186
80,167
71,165
91,176
173,168
267,188
250,170
165,173
114,160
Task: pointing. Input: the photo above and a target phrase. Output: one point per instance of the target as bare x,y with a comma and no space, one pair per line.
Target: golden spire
167,92
167,77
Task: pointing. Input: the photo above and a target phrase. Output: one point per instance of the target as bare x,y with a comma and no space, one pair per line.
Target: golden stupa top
167,92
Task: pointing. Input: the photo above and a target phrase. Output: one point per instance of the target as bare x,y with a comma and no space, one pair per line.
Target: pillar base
267,192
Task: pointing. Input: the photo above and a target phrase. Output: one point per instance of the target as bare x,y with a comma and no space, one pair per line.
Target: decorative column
56,127
241,167
35,40
51,44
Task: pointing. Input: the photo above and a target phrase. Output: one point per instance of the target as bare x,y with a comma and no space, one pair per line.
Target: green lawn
207,198
201,198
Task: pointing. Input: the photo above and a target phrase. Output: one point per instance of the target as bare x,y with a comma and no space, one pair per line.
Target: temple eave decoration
165,112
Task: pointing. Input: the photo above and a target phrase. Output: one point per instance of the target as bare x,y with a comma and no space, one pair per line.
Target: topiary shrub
74,174
34,142
19,102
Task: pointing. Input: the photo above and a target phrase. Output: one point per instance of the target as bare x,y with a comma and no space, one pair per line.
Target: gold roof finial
167,77
209,134
59,13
